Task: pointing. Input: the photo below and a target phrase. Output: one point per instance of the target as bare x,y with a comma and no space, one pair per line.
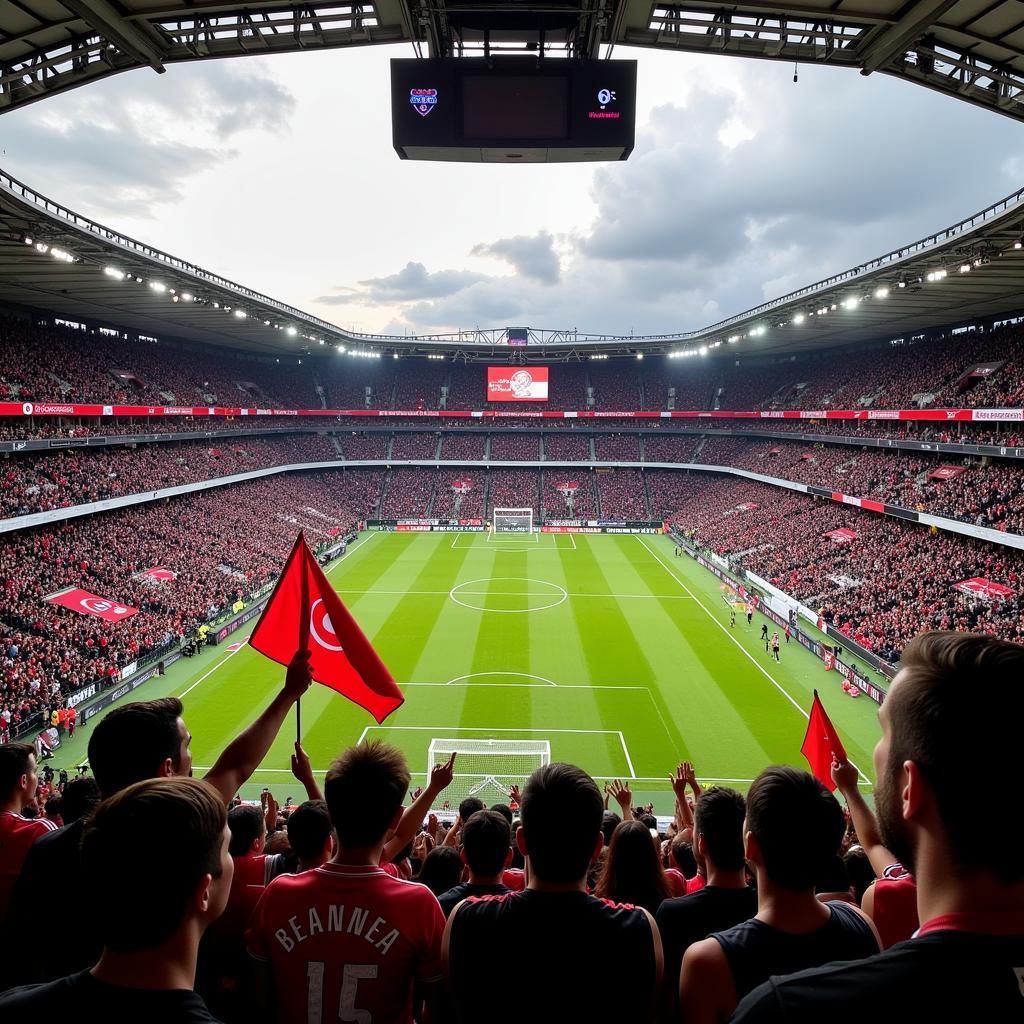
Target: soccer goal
512,520
487,768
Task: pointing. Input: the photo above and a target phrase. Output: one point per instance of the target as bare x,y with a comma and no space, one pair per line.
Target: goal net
487,768
512,520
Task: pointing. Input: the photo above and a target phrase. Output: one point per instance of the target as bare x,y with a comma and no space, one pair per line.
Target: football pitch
614,651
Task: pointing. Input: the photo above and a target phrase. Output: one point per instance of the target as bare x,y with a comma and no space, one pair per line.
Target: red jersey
17,834
895,906
346,936
695,884
515,879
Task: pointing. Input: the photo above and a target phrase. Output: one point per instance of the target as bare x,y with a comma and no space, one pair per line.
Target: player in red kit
347,940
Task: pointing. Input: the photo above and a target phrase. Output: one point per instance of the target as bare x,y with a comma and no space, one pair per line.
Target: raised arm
864,821
303,771
412,818
679,780
243,755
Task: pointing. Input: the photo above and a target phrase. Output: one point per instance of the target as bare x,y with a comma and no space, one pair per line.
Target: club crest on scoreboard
423,100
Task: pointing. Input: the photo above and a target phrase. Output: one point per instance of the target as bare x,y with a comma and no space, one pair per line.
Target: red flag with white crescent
304,612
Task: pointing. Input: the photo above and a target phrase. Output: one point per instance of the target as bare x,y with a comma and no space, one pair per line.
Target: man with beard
953,711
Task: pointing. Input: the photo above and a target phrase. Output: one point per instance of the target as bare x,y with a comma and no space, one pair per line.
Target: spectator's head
165,840
310,832
561,823
441,870
858,871
18,778
365,788
81,795
718,828
486,845
54,810
248,830
469,807
954,709
609,821
683,856
505,811
143,740
794,828
632,871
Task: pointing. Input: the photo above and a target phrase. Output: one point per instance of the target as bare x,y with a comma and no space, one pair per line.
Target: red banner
842,536
159,574
946,472
84,603
976,586
517,383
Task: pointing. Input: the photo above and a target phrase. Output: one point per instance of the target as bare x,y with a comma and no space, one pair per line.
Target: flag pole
303,627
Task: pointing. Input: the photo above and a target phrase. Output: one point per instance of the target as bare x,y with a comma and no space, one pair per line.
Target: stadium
689,561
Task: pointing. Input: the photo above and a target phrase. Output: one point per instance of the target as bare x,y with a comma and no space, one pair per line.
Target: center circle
510,594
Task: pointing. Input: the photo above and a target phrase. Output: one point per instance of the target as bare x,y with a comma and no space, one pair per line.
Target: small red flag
822,745
305,612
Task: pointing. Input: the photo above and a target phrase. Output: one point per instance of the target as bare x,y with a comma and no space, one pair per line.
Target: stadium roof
969,49
56,260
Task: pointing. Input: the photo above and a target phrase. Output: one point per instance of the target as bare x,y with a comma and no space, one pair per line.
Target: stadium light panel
292,332
158,286
240,313
1017,245
965,268
113,272
42,247
28,240
881,293
799,318
703,350
851,303
639,355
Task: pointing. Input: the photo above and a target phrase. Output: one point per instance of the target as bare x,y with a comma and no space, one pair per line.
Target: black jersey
942,975
556,943
755,950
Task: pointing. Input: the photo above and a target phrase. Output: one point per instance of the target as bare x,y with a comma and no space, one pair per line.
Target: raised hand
441,776
299,676
623,797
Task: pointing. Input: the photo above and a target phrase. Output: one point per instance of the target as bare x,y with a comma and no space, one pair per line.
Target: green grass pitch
609,647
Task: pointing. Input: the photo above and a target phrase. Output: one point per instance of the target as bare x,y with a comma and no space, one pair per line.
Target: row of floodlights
852,302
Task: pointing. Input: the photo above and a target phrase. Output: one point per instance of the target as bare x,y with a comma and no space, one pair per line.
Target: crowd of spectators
463,446
622,494
414,446
513,488
448,503
221,546
779,905
364,446
893,579
557,504
41,482
408,493
565,448
617,447
515,447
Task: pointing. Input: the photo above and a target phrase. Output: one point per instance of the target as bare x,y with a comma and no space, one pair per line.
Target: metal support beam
880,49
133,40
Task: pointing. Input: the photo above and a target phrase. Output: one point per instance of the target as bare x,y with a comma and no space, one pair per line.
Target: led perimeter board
509,110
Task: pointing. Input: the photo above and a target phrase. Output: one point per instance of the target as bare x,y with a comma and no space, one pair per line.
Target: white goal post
512,520
487,768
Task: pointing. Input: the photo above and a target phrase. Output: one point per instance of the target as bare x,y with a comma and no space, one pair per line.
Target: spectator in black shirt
486,852
955,707
726,900
554,932
794,828
156,866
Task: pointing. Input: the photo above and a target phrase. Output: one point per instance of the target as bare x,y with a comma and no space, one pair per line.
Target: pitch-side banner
92,604
517,384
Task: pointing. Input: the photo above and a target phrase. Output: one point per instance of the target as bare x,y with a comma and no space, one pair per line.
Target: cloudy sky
278,172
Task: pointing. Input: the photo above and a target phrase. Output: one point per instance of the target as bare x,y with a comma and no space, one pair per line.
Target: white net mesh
512,520
487,768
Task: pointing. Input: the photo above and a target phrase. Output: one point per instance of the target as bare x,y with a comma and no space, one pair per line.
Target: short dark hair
505,811
469,807
13,764
561,816
54,807
798,824
131,743
960,702
365,787
718,817
81,795
309,825
609,820
247,825
486,840
155,841
683,856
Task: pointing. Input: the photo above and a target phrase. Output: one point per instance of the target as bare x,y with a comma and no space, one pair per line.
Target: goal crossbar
512,520
488,768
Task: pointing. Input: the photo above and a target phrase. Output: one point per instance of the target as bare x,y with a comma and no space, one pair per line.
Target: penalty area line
785,693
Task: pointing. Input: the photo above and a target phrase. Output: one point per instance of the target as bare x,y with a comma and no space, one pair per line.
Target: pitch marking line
722,627
467,728
503,593
245,642
544,681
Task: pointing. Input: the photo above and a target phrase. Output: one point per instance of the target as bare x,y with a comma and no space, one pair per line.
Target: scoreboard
513,109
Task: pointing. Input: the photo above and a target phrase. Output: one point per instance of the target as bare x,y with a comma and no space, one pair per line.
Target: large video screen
517,383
